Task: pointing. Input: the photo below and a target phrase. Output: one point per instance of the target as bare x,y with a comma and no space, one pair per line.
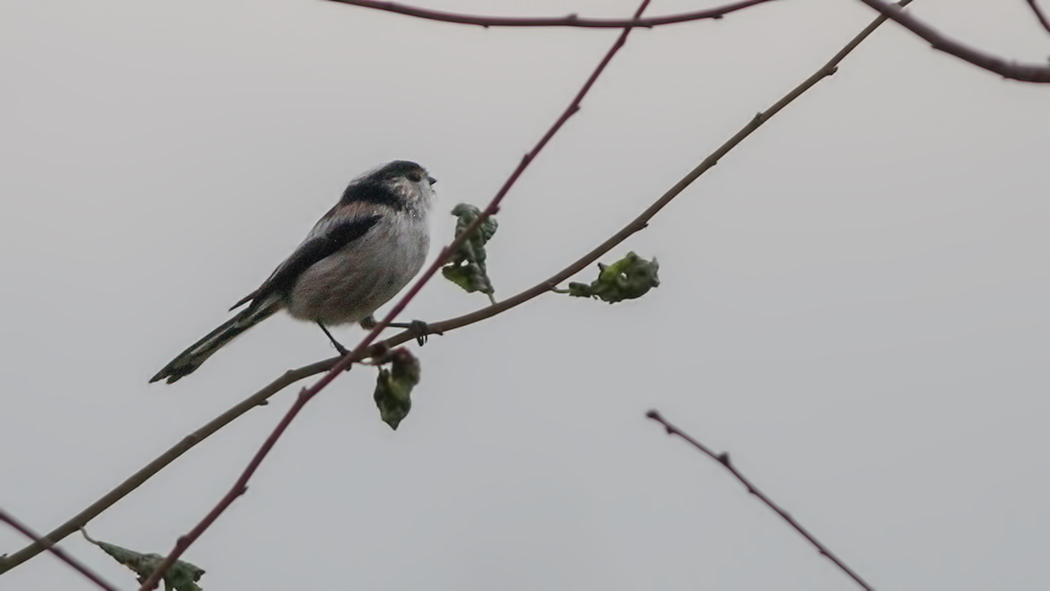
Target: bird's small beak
432,180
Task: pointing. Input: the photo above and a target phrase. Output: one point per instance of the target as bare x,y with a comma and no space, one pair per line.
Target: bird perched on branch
355,259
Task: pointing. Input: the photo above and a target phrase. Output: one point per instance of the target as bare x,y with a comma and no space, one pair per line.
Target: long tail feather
189,360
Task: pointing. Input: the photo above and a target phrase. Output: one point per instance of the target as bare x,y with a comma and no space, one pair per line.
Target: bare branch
326,365
1039,14
241,486
723,458
137,479
992,63
73,562
571,20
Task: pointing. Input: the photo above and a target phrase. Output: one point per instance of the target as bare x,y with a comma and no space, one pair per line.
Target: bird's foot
420,329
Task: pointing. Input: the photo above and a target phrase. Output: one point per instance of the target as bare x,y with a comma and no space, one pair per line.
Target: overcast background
853,303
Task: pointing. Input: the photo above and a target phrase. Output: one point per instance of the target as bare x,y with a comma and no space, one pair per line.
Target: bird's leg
338,346
419,328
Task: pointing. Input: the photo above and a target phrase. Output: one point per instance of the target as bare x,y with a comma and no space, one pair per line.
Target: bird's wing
328,237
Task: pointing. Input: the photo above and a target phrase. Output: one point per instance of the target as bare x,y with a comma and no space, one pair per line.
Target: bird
356,258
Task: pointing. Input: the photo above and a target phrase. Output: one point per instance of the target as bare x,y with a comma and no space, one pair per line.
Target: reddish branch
73,562
241,486
137,479
551,21
1039,14
723,458
990,62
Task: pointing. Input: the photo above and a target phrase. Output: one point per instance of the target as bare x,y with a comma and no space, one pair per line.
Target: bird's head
403,184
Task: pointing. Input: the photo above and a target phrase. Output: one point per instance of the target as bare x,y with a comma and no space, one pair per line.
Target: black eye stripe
373,192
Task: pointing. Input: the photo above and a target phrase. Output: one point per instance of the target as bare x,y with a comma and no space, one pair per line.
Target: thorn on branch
571,20
987,61
723,458
636,226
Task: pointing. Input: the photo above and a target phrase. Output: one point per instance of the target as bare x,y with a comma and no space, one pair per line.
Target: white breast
352,283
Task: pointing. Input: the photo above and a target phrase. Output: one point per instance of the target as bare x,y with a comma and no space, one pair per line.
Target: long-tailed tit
355,259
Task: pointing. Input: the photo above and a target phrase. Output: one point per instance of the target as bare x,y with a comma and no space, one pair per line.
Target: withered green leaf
393,394
628,278
467,268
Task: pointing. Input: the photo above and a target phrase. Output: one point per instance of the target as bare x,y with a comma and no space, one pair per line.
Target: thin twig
993,63
571,20
73,562
639,223
1039,14
241,485
137,479
723,458
444,326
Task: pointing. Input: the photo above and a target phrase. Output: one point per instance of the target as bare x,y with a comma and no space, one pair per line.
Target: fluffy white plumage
356,258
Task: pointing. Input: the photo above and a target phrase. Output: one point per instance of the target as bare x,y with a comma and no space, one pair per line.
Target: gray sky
853,302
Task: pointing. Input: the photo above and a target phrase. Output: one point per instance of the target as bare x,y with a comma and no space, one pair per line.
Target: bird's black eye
432,180
415,176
